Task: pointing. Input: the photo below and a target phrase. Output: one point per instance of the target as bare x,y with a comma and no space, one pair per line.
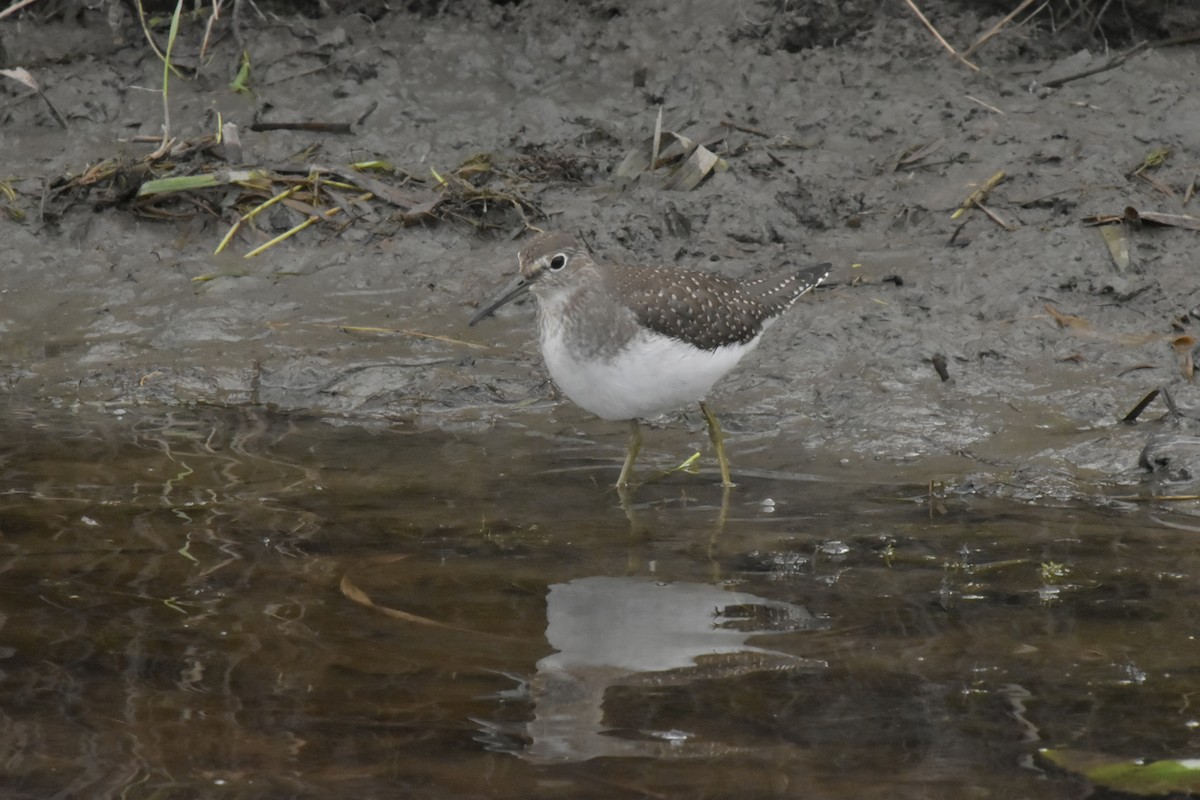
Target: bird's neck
584,318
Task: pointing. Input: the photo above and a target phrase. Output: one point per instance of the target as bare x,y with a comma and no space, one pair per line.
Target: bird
629,343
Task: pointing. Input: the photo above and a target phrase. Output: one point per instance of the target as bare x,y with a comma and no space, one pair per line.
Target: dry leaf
352,592
21,76
1067,320
1184,345
1118,245
690,173
667,147
1174,220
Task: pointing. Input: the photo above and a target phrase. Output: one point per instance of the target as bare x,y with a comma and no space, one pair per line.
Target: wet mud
852,138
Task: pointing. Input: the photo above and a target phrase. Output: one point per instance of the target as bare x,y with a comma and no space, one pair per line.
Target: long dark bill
517,287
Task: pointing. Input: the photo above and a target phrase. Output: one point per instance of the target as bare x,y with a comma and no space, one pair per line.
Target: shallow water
229,603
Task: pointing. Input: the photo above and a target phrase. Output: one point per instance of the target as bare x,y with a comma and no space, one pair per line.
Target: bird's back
709,310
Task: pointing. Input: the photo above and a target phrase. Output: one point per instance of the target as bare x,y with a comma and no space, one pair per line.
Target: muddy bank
855,147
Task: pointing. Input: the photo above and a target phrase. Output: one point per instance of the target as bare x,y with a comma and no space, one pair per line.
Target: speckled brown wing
708,310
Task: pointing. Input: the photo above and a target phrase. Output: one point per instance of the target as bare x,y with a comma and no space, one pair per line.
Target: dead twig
1183,38
186,177
208,28
988,106
1159,186
312,127
995,29
1137,410
737,126
916,153
979,195
373,329
24,77
1112,63
938,36
993,216
15,7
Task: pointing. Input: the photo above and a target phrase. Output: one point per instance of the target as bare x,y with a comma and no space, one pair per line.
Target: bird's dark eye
558,262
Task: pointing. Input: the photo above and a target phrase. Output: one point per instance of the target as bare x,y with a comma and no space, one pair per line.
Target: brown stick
982,40
737,126
1115,61
938,36
315,127
993,215
1137,410
15,7
1183,38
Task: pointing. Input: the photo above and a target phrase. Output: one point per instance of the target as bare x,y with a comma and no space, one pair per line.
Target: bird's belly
652,375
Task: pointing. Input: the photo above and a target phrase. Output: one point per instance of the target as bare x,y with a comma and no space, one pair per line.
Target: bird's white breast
651,375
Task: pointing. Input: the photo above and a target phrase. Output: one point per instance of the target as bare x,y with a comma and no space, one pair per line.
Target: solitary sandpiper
627,343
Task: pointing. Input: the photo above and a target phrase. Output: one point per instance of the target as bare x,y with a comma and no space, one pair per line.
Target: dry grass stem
979,195
15,7
925,21
371,329
993,216
988,106
995,29
1112,63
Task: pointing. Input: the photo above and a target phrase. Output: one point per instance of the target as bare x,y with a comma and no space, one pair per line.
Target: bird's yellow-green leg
635,447
718,440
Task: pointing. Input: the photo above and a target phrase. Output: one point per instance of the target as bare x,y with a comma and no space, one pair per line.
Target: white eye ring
558,262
